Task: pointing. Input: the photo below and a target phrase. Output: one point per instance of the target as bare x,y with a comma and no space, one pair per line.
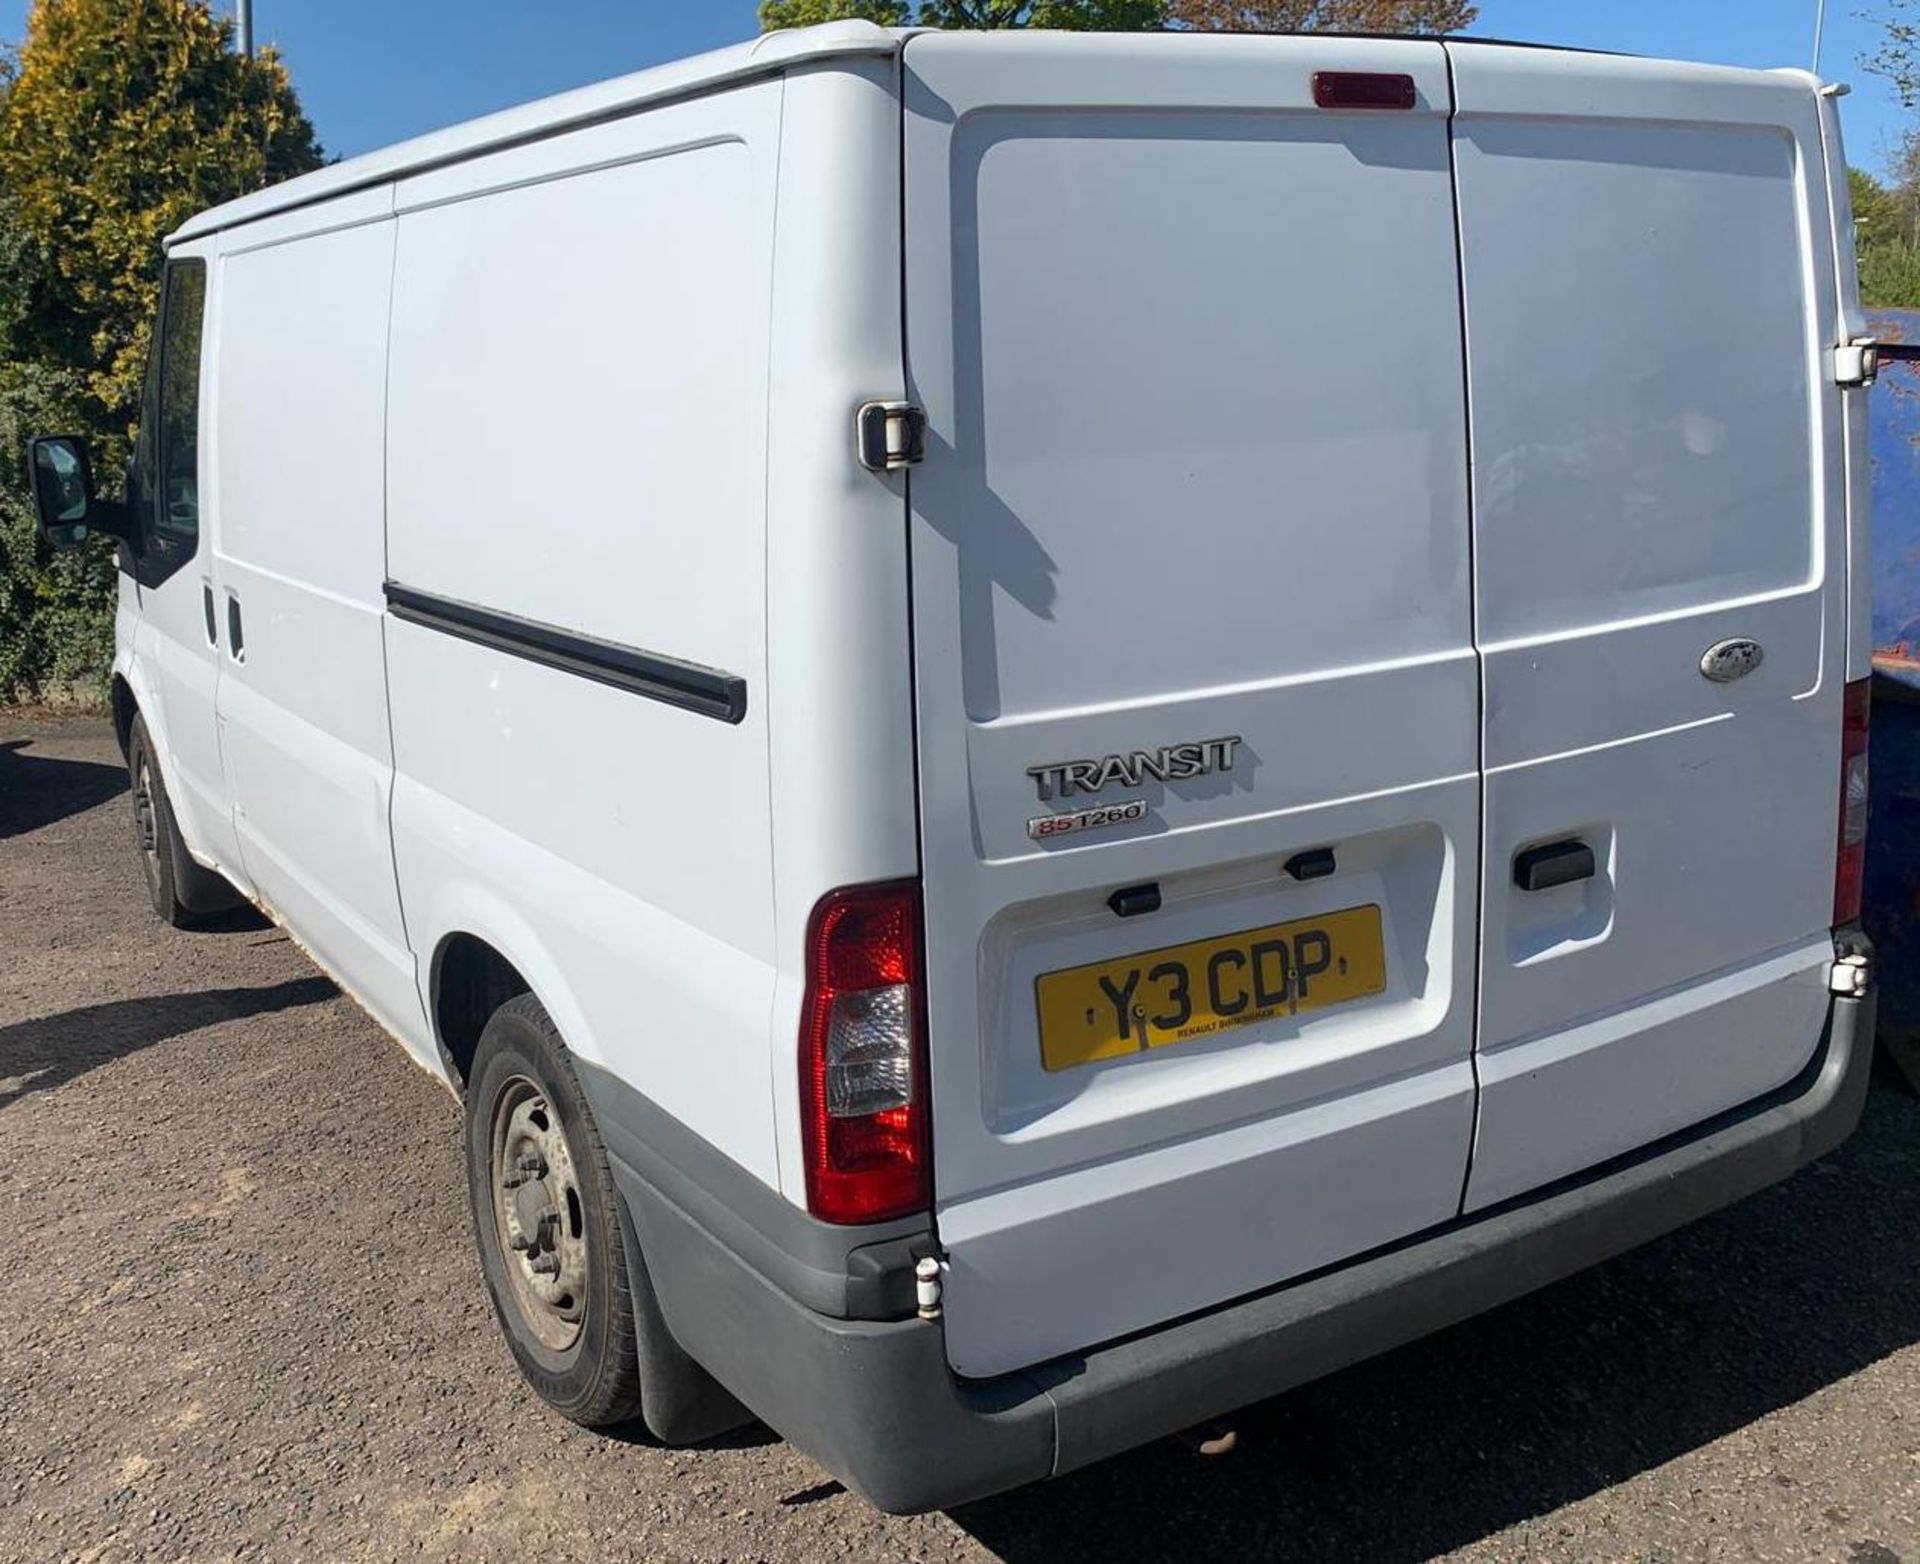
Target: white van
1053,730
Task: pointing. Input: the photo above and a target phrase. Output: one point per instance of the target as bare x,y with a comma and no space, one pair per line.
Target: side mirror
62,477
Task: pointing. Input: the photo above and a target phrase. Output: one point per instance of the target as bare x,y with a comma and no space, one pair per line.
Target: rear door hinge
889,435
1856,363
1859,362
1849,975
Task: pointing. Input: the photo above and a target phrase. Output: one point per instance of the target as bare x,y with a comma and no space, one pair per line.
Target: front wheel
547,1222
181,891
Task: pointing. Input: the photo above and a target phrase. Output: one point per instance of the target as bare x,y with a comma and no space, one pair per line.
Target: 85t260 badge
1043,828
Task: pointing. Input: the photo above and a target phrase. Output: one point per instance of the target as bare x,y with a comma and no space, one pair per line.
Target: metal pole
1819,29
243,16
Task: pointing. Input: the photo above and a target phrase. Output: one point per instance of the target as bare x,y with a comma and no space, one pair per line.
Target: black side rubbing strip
689,686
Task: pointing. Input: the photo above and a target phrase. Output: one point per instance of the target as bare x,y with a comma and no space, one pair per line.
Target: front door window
165,487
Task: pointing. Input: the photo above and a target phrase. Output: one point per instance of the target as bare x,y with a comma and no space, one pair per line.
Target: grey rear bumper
874,1401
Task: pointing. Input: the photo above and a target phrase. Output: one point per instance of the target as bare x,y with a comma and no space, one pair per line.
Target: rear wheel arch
471,979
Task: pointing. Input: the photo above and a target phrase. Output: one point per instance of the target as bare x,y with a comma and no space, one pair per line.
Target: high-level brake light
1363,90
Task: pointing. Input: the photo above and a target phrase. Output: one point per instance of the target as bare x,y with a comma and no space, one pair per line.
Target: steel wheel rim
538,1215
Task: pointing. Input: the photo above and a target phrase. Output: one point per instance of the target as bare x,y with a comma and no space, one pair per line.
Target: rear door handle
236,640
1554,863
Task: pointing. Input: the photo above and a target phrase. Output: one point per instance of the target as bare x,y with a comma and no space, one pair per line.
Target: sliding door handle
236,638
1555,863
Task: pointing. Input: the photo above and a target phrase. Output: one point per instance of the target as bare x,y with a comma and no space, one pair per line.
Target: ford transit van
1052,730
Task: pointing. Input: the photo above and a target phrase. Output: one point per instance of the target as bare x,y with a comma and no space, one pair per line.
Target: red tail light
863,1099
1850,867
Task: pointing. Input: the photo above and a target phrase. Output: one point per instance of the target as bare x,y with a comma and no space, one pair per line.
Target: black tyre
547,1221
181,891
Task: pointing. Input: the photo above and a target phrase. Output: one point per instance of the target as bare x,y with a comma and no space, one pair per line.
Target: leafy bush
1890,275
56,610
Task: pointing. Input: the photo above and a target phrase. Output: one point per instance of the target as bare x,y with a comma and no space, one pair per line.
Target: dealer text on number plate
1174,995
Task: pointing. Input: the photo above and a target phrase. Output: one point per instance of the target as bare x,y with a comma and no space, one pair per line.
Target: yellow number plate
1112,1008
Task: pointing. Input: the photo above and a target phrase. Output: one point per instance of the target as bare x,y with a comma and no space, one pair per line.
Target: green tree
1886,214
1245,16
1080,16
1872,203
1072,15
54,622
1886,230
1890,276
808,13
1897,57
118,120
125,118
1336,16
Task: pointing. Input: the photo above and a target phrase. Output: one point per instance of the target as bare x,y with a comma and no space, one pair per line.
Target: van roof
765,55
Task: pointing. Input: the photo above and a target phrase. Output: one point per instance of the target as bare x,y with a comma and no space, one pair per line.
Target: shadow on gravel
36,791
241,918
46,1053
1548,1400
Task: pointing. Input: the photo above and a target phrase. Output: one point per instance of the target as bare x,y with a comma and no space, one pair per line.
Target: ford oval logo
1732,659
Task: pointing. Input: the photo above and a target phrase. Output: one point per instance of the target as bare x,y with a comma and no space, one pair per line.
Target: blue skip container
1892,896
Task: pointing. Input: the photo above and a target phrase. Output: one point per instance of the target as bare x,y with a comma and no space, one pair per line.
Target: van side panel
1647,260
301,398
577,384
839,695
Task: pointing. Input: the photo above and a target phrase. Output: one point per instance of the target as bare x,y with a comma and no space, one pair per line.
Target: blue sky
375,71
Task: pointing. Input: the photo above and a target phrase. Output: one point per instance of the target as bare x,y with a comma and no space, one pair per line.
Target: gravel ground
240,1317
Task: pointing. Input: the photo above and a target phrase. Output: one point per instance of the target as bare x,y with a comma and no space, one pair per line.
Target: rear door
1657,473
1192,605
